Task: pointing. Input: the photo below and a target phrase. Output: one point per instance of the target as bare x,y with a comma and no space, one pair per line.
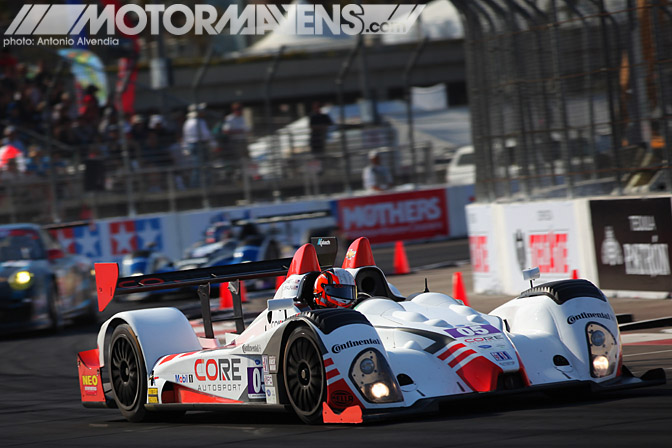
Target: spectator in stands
37,163
376,177
319,126
12,139
197,141
235,130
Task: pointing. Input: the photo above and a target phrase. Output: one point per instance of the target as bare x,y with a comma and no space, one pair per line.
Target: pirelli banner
632,239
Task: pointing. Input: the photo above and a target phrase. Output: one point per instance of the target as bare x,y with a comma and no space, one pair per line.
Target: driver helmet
219,231
335,288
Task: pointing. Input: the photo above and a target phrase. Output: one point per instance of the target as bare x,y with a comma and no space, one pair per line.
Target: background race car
41,285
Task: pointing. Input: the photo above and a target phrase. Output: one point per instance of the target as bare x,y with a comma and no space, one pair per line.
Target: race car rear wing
108,284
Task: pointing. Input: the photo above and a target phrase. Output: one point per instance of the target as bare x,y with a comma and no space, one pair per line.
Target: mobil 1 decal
632,239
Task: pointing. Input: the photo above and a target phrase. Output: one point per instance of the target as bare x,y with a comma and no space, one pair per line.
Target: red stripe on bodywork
187,354
459,358
168,358
186,395
332,373
451,349
328,362
480,374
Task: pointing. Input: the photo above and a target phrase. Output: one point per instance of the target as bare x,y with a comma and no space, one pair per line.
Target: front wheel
304,375
127,373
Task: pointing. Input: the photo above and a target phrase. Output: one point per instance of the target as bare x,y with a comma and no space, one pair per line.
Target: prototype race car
40,284
388,355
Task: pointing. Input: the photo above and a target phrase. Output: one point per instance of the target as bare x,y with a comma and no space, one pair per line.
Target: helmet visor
347,293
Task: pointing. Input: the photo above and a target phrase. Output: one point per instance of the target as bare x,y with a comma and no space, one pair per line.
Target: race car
41,285
311,352
146,261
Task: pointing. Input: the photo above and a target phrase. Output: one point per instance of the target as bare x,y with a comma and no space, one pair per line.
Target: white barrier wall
621,245
401,215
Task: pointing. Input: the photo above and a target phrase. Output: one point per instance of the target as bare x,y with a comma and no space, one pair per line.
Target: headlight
603,350
373,376
21,280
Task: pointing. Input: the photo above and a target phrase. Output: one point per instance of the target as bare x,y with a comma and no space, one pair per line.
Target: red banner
392,217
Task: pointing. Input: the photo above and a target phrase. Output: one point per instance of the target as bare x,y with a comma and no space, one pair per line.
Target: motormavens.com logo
45,22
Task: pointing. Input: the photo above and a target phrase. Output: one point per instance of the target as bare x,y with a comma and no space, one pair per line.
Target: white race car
388,355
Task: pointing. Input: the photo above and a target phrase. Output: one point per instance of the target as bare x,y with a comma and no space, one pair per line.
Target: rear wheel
127,373
304,375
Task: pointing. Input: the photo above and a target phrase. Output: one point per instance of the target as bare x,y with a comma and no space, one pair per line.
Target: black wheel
304,376
127,373
55,312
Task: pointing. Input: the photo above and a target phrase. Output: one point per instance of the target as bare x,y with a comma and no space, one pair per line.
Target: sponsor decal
251,348
90,383
153,395
217,369
264,361
478,249
184,378
501,356
389,217
271,397
481,339
268,380
350,254
485,346
630,239
255,383
578,317
476,330
341,398
273,364
323,242
549,252
337,348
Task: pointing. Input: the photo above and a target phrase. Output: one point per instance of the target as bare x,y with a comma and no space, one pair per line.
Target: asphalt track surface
39,396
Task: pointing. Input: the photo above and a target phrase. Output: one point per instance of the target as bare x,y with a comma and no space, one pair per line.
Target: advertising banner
542,235
397,216
483,248
632,239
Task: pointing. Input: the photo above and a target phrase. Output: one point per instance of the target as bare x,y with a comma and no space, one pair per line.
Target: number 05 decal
476,330
255,383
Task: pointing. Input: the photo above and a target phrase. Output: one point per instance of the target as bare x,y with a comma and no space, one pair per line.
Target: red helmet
335,288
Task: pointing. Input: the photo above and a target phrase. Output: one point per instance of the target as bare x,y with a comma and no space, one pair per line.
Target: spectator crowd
39,108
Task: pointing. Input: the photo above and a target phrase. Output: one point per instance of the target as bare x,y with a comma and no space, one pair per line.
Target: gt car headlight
371,373
603,350
21,280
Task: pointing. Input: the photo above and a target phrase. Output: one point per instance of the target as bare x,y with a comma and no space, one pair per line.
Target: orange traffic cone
459,292
575,274
225,299
400,259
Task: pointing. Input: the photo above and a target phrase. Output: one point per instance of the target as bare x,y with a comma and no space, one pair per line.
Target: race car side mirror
531,274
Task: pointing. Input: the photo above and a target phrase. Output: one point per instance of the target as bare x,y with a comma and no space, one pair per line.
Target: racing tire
304,376
56,320
128,374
